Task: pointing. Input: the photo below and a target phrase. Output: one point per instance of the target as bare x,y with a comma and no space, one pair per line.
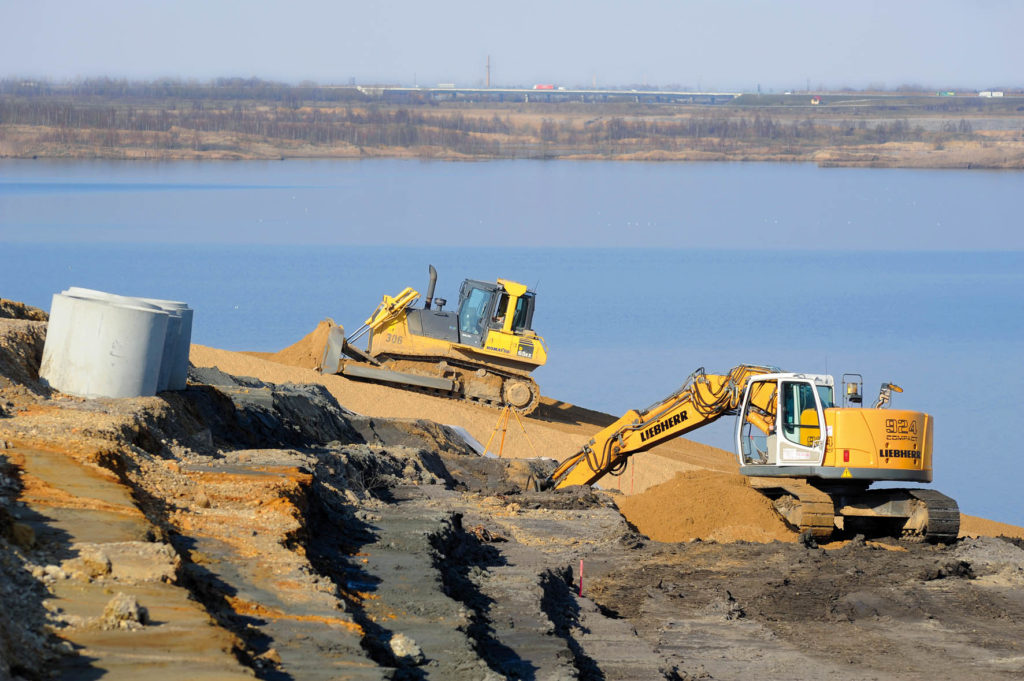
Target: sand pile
306,353
705,505
972,526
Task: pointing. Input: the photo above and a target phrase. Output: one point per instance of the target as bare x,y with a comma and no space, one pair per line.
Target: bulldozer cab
782,420
486,307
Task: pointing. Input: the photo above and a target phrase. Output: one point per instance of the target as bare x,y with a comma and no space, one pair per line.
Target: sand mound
306,353
705,505
972,526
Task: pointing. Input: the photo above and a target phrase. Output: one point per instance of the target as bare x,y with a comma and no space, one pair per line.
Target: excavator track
470,382
803,506
943,516
907,514
914,515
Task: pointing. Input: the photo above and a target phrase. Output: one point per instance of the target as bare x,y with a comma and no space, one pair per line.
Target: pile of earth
704,505
305,353
12,309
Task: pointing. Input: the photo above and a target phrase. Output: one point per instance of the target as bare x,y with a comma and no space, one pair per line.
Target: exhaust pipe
430,288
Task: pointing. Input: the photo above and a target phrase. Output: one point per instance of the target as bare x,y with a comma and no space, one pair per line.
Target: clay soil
275,523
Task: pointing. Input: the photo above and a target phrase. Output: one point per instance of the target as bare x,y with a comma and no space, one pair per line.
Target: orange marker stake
581,577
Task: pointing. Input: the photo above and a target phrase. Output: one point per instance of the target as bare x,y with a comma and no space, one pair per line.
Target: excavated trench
391,524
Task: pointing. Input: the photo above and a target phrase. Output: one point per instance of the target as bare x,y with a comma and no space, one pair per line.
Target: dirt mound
11,309
972,526
21,351
704,505
307,352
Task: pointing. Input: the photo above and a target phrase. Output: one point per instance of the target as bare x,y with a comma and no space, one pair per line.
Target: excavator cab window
800,422
757,424
826,396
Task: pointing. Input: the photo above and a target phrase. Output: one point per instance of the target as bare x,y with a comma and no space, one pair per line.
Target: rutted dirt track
254,527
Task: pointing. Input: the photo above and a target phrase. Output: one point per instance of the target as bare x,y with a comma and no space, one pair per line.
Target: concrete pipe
174,372
102,345
174,356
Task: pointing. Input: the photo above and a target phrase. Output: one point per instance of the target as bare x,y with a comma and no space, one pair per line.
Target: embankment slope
682,490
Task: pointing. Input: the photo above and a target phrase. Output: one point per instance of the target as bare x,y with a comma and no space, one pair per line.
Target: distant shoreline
976,156
122,128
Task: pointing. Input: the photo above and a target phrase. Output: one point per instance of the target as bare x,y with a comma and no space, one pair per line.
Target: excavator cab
782,420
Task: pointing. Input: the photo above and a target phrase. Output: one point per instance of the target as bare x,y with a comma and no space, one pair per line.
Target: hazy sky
712,44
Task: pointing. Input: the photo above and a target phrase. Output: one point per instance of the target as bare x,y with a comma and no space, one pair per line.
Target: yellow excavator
483,351
815,460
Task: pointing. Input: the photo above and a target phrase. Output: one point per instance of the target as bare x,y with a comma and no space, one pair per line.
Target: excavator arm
703,399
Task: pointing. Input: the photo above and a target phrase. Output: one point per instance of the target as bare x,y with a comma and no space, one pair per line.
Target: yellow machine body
484,350
516,351
879,439
793,445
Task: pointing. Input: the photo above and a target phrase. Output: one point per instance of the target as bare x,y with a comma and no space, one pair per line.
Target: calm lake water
644,272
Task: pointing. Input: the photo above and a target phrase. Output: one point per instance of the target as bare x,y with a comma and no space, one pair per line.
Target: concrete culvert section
100,344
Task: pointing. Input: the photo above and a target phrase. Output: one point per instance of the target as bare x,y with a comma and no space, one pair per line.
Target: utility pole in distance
488,72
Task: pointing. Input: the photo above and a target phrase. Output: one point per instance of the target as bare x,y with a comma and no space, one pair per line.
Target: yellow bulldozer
483,351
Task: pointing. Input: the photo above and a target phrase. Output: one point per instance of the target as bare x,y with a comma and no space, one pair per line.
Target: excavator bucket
334,348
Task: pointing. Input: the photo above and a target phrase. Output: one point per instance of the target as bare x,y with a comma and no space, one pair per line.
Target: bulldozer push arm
703,399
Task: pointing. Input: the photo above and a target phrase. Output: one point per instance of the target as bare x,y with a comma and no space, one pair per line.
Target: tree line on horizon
167,122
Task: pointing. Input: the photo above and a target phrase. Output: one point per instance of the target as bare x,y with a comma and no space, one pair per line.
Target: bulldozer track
466,373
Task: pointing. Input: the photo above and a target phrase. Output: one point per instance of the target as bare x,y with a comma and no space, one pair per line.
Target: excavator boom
703,399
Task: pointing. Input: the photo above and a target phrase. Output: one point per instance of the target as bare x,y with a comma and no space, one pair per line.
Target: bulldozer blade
333,349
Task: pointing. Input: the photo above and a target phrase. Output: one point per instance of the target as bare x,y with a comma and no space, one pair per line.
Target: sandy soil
704,505
973,526
555,430
266,533
689,478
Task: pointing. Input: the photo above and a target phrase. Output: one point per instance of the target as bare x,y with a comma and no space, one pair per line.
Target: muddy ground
242,529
